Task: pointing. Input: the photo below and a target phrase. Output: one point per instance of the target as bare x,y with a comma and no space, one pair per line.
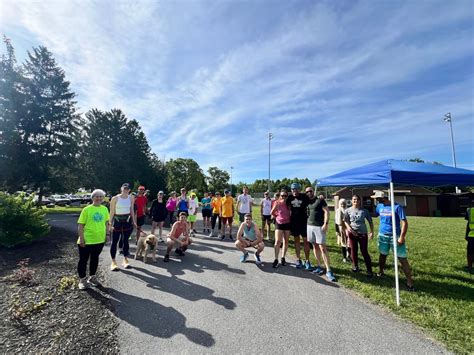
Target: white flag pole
395,242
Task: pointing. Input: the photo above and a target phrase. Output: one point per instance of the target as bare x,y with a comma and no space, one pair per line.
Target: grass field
63,209
443,304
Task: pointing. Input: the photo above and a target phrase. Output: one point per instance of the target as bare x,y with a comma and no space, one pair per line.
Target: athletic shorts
470,245
298,228
266,218
283,227
206,213
227,220
386,243
140,221
192,218
316,235
182,238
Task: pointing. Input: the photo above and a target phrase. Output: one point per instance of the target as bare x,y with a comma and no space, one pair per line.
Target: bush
21,221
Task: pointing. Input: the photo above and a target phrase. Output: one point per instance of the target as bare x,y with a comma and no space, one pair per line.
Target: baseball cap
126,185
295,186
160,192
226,191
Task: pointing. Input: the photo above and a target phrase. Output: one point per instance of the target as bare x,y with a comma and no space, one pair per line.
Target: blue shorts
386,243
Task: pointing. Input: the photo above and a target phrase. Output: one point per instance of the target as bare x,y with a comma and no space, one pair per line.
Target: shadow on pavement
155,319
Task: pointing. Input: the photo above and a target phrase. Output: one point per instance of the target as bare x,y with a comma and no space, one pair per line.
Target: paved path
209,302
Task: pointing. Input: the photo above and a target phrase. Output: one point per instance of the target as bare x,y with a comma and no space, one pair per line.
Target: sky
337,83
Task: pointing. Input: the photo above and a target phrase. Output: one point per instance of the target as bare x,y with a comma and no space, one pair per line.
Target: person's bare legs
306,248
406,271
325,255
317,253
382,261
286,239
153,227
278,239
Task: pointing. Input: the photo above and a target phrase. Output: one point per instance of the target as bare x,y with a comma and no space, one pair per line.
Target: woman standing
92,228
281,212
341,230
171,207
122,221
206,212
158,214
354,218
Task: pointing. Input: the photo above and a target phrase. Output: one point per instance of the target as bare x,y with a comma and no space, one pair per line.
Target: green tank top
249,233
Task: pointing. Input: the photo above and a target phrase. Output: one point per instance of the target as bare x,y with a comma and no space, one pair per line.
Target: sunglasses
309,191
283,195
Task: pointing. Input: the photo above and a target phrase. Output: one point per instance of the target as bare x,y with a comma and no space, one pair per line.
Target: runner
244,203
227,213
281,211
171,205
318,222
206,212
178,237
249,236
266,213
216,211
122,221
193,203
354,219
183,203
140,209
298,203
93,230
158,214
384,210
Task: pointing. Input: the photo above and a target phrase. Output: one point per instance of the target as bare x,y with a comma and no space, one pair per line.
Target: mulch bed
49,314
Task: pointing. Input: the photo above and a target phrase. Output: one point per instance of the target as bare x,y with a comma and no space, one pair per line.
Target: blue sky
338,83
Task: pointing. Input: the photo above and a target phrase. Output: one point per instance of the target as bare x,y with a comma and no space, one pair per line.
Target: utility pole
448,118
231,168
270,137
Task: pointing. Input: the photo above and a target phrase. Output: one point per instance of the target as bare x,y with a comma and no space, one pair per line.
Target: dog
145,245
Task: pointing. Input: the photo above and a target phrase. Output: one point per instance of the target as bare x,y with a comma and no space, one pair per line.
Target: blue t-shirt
206,203
385,213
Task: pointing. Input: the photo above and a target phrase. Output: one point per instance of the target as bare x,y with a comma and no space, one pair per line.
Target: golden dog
145,245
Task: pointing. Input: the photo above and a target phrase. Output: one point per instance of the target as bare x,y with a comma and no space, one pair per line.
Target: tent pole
395,242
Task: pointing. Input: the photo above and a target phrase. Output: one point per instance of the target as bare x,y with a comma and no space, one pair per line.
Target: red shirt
140,202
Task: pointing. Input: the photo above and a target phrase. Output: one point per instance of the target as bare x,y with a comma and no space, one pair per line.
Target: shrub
21,221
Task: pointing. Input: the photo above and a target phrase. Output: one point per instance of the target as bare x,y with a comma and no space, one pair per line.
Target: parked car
60,200
44,201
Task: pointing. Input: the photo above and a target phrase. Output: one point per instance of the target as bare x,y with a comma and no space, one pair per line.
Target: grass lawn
63,209
443,304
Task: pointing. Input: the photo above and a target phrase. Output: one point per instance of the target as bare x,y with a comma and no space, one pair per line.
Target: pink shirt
282,213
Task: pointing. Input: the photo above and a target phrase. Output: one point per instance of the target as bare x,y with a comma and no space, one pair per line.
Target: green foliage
21,221
217,179
185,173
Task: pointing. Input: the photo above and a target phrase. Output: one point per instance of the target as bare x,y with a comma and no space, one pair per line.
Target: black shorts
140,221
283,227
206,213
266,218
299,228
470,245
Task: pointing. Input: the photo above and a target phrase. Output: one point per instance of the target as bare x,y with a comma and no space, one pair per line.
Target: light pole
270,137
448,118
231,168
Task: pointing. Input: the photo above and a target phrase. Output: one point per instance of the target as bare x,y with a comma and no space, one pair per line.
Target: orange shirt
227,204
216,205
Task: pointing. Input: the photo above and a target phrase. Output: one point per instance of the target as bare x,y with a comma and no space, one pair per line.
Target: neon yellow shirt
94,219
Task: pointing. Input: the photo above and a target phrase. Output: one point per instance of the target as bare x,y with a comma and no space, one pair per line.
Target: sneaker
283,262
231,239
411,288
370,274
221,237
319,270
299,264
125,264
244,257
203,231
195,231
83,284
113,266
380,274
308,266
258,261
355,269
210,235
344,260
93,281
275,263
330,276
160,240
120,251
179,252
166,258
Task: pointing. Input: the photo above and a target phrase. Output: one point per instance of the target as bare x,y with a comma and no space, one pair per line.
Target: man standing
298,203
318,222
266,213
216,211
244,203
140,209
227,213
470,238
384,210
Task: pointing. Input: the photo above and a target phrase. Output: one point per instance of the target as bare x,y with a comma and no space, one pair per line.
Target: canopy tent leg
395,243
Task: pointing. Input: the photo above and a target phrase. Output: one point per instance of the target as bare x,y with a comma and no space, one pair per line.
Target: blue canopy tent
390,172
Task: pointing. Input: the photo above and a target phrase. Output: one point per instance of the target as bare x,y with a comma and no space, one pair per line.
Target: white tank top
123,205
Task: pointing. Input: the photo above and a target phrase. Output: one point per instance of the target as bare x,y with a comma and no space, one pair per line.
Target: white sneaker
210,235
83,284
93,281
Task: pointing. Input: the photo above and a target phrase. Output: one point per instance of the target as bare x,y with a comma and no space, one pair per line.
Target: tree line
46,145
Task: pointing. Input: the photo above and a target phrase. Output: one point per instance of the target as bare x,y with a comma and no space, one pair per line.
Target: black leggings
214,217
89,251
121,230
171,217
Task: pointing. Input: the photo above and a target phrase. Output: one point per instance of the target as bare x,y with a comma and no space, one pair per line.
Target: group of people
301,215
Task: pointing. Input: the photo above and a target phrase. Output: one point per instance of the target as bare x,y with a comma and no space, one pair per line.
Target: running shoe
210,235
308,266
411,288
93,281
231,239
258,261
244,257
330,276
83,284
370,274
179,252
125,264
283,262
355,269
166,258
299,264
319,270
221,236
275,263
114,266
195,231
160,240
